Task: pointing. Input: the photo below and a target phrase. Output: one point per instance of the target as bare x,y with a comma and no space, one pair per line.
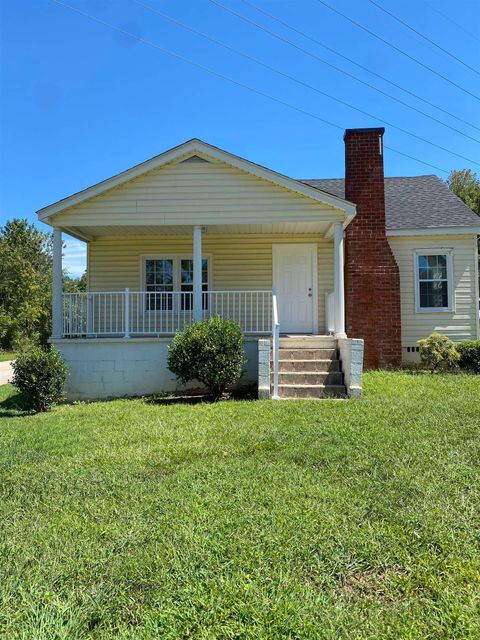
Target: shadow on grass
172,399
15,406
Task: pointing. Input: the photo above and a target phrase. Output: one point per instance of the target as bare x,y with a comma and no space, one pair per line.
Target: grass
252,520
7,355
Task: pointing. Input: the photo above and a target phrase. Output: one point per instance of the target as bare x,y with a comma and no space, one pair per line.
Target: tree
25,283
466,185
74,285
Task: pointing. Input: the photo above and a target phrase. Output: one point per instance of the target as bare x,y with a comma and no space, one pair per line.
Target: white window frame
176,258
439,251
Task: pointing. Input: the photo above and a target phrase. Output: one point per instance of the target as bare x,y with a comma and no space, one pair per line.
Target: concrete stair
309,367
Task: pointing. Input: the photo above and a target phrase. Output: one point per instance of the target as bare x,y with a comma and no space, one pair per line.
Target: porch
177,287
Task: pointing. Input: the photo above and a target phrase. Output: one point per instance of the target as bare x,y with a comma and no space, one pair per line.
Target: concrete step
307,354
308,365
310,378
311,391
307,342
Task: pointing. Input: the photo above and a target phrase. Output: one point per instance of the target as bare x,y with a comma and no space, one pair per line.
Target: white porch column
339,281
57,308
197,273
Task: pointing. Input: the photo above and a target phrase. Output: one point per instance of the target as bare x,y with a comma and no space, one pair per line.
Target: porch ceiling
90,232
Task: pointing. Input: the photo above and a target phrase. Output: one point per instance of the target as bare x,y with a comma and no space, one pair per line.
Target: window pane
423,274
186,283
439,273
433,294
422,262
186,275
164,272
432,267
159,284
187,271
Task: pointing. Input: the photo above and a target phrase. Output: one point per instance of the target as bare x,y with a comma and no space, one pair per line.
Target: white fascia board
434,231
188,149
79,235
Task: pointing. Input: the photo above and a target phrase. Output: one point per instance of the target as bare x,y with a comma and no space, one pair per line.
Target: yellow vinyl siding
196,193
238,262
462,322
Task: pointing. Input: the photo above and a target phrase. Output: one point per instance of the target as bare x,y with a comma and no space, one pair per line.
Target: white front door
294,278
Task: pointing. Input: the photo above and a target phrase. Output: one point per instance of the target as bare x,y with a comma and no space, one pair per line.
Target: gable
195,190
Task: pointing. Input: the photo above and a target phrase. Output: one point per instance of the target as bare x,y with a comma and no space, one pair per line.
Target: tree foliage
74,285
25,283
466,185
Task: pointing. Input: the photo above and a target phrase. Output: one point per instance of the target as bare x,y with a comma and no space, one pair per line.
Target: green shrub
40,375
469,351
438,353
210,351
9,332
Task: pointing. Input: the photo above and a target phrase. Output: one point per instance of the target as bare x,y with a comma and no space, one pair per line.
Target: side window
433,281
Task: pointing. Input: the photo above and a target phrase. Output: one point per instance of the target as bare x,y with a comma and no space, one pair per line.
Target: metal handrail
276,340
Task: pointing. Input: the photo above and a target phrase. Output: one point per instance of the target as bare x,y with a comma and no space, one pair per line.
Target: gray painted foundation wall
351,355
112,368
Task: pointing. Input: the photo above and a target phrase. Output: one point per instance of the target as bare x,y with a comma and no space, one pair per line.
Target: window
159,282
164,275
434,281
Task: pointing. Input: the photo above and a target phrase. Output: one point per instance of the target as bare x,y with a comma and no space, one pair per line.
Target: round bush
469,351
438,353
40,375
210,351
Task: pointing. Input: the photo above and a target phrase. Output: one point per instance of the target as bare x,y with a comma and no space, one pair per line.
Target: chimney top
379,130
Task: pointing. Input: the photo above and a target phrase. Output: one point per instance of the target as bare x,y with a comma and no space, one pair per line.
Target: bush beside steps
210,351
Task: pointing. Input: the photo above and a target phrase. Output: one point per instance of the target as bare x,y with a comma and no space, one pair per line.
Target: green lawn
7,355
251,520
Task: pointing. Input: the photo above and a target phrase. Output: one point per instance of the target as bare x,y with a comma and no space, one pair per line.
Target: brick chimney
372,279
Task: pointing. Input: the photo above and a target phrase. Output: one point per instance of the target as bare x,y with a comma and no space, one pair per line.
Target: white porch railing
146,313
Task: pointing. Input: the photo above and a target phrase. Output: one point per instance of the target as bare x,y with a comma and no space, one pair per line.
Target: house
320,274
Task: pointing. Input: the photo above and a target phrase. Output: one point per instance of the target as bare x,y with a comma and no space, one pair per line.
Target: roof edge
434,231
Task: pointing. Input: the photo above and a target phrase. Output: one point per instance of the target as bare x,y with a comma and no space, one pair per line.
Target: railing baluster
161,312
127,314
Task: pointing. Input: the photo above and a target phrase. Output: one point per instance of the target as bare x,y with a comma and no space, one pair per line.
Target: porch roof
88,233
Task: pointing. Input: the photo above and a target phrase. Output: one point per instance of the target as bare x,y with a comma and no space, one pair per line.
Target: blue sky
81,102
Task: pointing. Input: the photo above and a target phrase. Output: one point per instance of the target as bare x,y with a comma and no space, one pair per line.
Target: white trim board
434,231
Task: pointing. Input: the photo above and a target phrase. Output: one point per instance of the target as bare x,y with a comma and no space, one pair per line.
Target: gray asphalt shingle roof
416,202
